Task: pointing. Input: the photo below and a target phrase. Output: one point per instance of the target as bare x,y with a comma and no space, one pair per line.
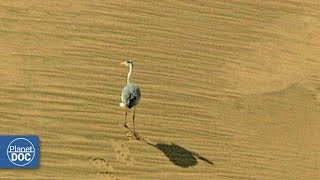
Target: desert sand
230,89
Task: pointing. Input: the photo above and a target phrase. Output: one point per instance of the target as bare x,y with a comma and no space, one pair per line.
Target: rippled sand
230,89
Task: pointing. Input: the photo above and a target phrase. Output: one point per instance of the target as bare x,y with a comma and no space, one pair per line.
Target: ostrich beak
124,63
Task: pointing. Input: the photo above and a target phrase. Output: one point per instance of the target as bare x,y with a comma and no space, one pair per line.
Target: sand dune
230,89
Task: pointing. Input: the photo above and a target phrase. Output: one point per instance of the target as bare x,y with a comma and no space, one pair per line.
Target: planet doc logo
21,151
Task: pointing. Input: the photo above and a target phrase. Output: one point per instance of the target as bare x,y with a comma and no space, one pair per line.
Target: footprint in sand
131,136
122,152
137,137
106,175
101,164
104,168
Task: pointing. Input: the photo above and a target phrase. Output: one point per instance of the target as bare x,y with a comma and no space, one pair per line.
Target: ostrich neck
129,74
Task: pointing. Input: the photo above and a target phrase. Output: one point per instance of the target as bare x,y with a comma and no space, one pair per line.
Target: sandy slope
230,89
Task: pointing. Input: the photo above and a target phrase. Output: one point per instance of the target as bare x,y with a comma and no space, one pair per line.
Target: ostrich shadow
178,155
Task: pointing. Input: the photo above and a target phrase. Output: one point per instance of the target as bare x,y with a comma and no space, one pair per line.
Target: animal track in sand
137,137
104,168
106,175
101,164
122,152
131,136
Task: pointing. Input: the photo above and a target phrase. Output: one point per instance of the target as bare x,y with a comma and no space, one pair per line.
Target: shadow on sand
178,155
